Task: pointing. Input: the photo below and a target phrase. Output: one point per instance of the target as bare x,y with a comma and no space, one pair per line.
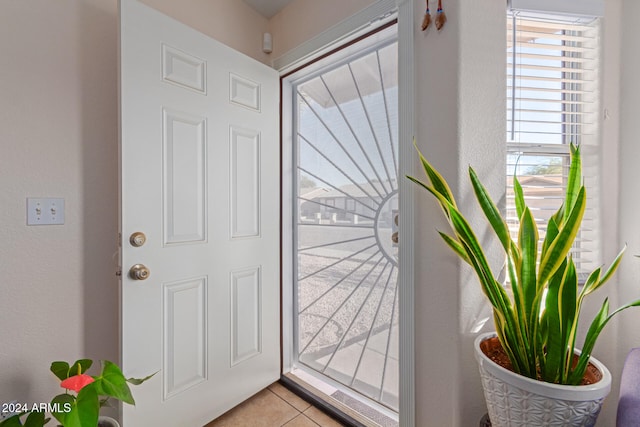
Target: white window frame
586,131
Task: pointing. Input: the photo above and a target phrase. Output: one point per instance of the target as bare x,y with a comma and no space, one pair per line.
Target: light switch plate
45,211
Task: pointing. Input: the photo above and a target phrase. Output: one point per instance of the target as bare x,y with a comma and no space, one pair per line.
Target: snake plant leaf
455,246
602,318
592,281
528,243
490,210
551,234
433,191
573,181
563,242
538,327
438,182
474,251
568,305
607,275
519,196
555,349
592,334
505,336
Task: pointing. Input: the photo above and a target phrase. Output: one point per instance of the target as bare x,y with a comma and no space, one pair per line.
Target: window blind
552,101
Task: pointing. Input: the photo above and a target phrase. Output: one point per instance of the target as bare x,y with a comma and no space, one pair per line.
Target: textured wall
231,22
58,133
302,20
629,279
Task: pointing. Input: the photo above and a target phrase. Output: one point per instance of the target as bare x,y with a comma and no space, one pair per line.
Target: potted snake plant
531,371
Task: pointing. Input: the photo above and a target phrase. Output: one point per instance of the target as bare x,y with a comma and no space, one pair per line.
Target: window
552,101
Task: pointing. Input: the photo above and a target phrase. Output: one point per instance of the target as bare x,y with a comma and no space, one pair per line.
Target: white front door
200,179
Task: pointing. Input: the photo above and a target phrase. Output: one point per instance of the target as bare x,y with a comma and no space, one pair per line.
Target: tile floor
275,406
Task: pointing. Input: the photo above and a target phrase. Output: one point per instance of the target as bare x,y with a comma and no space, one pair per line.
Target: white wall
58,134
302,20
460,119
58,137
460,115
629,211
231,22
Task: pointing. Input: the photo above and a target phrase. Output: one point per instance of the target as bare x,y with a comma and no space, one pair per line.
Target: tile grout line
297,410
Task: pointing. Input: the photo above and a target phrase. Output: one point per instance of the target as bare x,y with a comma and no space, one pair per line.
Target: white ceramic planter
517,401
104,421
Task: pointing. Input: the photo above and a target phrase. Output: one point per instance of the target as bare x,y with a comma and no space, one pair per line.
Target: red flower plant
77,382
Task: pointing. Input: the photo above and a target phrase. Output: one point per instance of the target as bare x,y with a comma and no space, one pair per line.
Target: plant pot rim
593,391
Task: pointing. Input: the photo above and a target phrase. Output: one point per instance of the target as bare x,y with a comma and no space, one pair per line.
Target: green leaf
596,327
84,409
552,233
13,421
592,334
63,401
592,281
35,419
60,369
563,242
455,246
80,367
554,347
528,243
573,182
437,195
607,275
112,383
490,210
88,407
438,182
519,196
568,315
138,381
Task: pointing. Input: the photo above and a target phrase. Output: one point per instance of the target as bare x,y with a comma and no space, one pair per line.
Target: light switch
45,211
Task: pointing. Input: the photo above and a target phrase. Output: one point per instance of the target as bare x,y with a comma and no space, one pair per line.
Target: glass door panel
346,157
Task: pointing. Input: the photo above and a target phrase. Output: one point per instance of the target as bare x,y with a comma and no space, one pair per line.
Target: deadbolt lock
139,272
137,239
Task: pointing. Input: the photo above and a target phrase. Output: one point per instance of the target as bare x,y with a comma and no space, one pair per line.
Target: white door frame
341,33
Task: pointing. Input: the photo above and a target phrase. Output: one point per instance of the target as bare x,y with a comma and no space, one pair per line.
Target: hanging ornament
427,18
441,18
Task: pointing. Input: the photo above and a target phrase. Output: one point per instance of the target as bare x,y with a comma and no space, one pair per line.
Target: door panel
200,177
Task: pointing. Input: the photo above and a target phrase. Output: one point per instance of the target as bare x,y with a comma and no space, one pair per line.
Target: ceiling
267,8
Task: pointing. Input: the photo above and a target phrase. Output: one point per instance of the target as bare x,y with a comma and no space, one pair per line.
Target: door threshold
340,405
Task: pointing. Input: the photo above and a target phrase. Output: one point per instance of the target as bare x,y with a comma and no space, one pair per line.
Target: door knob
139,272
137,239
